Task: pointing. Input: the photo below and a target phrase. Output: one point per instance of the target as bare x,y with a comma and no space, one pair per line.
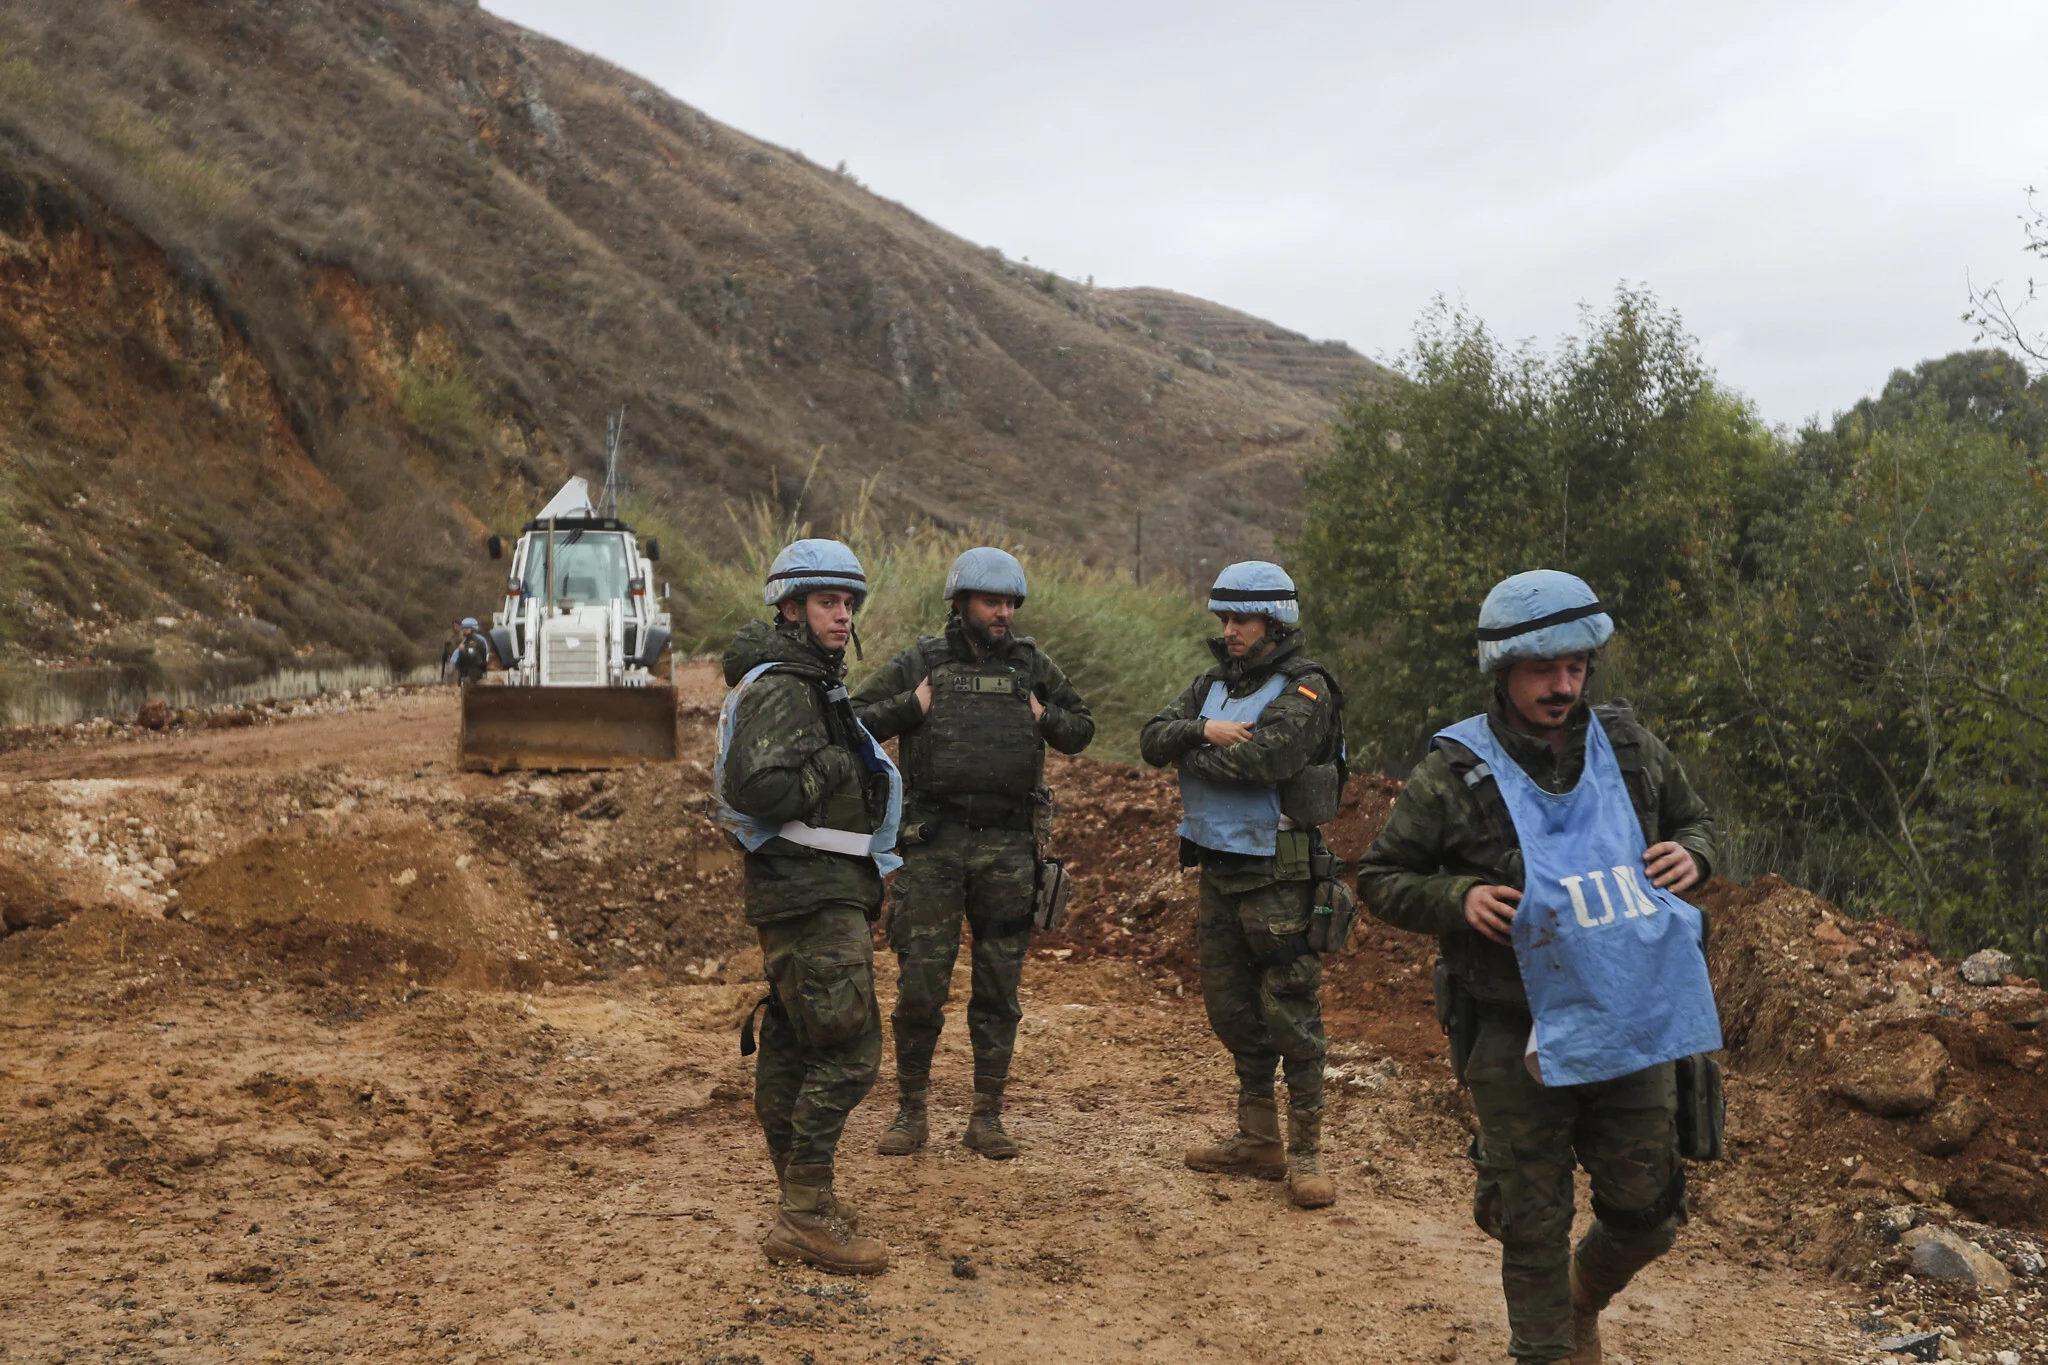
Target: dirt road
385,1078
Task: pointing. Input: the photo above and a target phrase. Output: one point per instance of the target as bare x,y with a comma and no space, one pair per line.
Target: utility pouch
1331,915
1702,1108
1055,889
1458,1015
1291,854
1314,795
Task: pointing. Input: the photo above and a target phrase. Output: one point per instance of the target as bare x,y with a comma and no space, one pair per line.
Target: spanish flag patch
1307,691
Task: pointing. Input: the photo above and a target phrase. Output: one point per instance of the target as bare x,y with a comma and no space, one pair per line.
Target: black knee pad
1668,1205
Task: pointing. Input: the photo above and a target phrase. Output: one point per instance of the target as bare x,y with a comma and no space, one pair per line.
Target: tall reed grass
1129,648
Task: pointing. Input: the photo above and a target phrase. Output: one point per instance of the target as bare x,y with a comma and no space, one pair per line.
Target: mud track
346,1055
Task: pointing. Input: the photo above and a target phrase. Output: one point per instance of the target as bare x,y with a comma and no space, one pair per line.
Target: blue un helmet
808,565
1256,587
1541,614
469,623
986,569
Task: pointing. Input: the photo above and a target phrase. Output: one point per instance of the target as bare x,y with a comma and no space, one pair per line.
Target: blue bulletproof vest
880,845
1613,967
1232,817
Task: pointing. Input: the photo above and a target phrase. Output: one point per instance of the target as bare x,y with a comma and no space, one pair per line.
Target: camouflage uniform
792,758
1445,837
472,658
971,815
1260,984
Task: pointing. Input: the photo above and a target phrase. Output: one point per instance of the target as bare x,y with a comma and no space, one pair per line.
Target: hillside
1239,341
297,300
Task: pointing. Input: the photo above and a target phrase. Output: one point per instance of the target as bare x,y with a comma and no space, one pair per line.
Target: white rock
406,878
1987,968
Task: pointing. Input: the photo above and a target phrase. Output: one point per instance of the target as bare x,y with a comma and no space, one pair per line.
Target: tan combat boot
844,1211
1307,1186
985,1132
808,1228
1586,1307
1255,1149
908,1131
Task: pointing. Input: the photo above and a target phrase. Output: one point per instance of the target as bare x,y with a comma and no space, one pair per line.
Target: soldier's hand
1671,867
924,696
1491,910
1224,733
1037,707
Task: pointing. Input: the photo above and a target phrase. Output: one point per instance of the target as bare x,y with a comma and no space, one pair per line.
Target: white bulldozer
579,637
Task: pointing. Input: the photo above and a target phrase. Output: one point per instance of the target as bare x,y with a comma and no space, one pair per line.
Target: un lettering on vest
1633,900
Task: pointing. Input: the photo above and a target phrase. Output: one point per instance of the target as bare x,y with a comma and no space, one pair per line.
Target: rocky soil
317,1048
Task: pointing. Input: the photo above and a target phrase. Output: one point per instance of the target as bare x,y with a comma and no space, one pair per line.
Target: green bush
444,408
1617,459
1128,647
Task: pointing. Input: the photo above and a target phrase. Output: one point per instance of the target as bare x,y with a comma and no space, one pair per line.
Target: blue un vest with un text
1613,966
1233,817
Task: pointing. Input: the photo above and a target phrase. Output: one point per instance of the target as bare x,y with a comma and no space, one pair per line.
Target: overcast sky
1812,185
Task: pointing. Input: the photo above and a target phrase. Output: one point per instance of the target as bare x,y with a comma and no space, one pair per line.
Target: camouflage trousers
821,1035
985,878
1622,1131
1267,1012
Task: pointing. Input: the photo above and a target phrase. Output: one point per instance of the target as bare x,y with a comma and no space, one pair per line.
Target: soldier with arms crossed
975,709
1259,743
1542,842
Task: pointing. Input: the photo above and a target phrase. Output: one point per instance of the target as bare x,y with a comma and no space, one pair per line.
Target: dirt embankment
391,1060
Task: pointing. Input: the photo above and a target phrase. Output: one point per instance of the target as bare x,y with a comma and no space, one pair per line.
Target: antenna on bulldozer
614,488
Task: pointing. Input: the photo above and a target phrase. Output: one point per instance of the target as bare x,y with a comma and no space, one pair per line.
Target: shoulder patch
1308,692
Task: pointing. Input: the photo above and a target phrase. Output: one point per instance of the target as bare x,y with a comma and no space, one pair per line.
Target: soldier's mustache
1556,699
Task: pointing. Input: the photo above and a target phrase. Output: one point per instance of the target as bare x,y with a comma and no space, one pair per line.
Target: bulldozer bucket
509,729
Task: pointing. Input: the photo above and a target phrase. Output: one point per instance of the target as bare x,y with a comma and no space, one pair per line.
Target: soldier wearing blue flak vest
1259,742
1544,843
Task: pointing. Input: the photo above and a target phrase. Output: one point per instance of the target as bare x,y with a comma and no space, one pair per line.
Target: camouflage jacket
473,655
1444,838
887,702
1293,732
792,758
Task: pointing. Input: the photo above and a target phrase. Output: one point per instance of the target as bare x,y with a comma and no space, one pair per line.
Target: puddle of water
63,697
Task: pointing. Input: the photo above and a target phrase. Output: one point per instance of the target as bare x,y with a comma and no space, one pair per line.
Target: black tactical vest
979,738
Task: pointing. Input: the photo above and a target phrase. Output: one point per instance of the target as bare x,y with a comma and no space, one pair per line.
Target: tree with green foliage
1618,458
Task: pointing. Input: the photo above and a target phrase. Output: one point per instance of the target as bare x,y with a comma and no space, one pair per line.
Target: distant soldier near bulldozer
1259,742
815,802
472,654
975,708
1542,843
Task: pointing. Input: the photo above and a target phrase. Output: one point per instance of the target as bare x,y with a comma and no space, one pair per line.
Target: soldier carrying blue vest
1543,842
1259,742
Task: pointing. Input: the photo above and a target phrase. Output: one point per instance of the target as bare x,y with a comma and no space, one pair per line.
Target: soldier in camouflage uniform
809,796
1449,863
472,654
1253,738
975,709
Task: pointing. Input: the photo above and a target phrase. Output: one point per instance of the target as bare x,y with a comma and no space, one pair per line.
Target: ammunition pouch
1702,1108
1055,889
1333,906
1457,1013
1314,795
981,810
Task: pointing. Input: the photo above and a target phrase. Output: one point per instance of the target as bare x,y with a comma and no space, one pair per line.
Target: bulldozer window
589,567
